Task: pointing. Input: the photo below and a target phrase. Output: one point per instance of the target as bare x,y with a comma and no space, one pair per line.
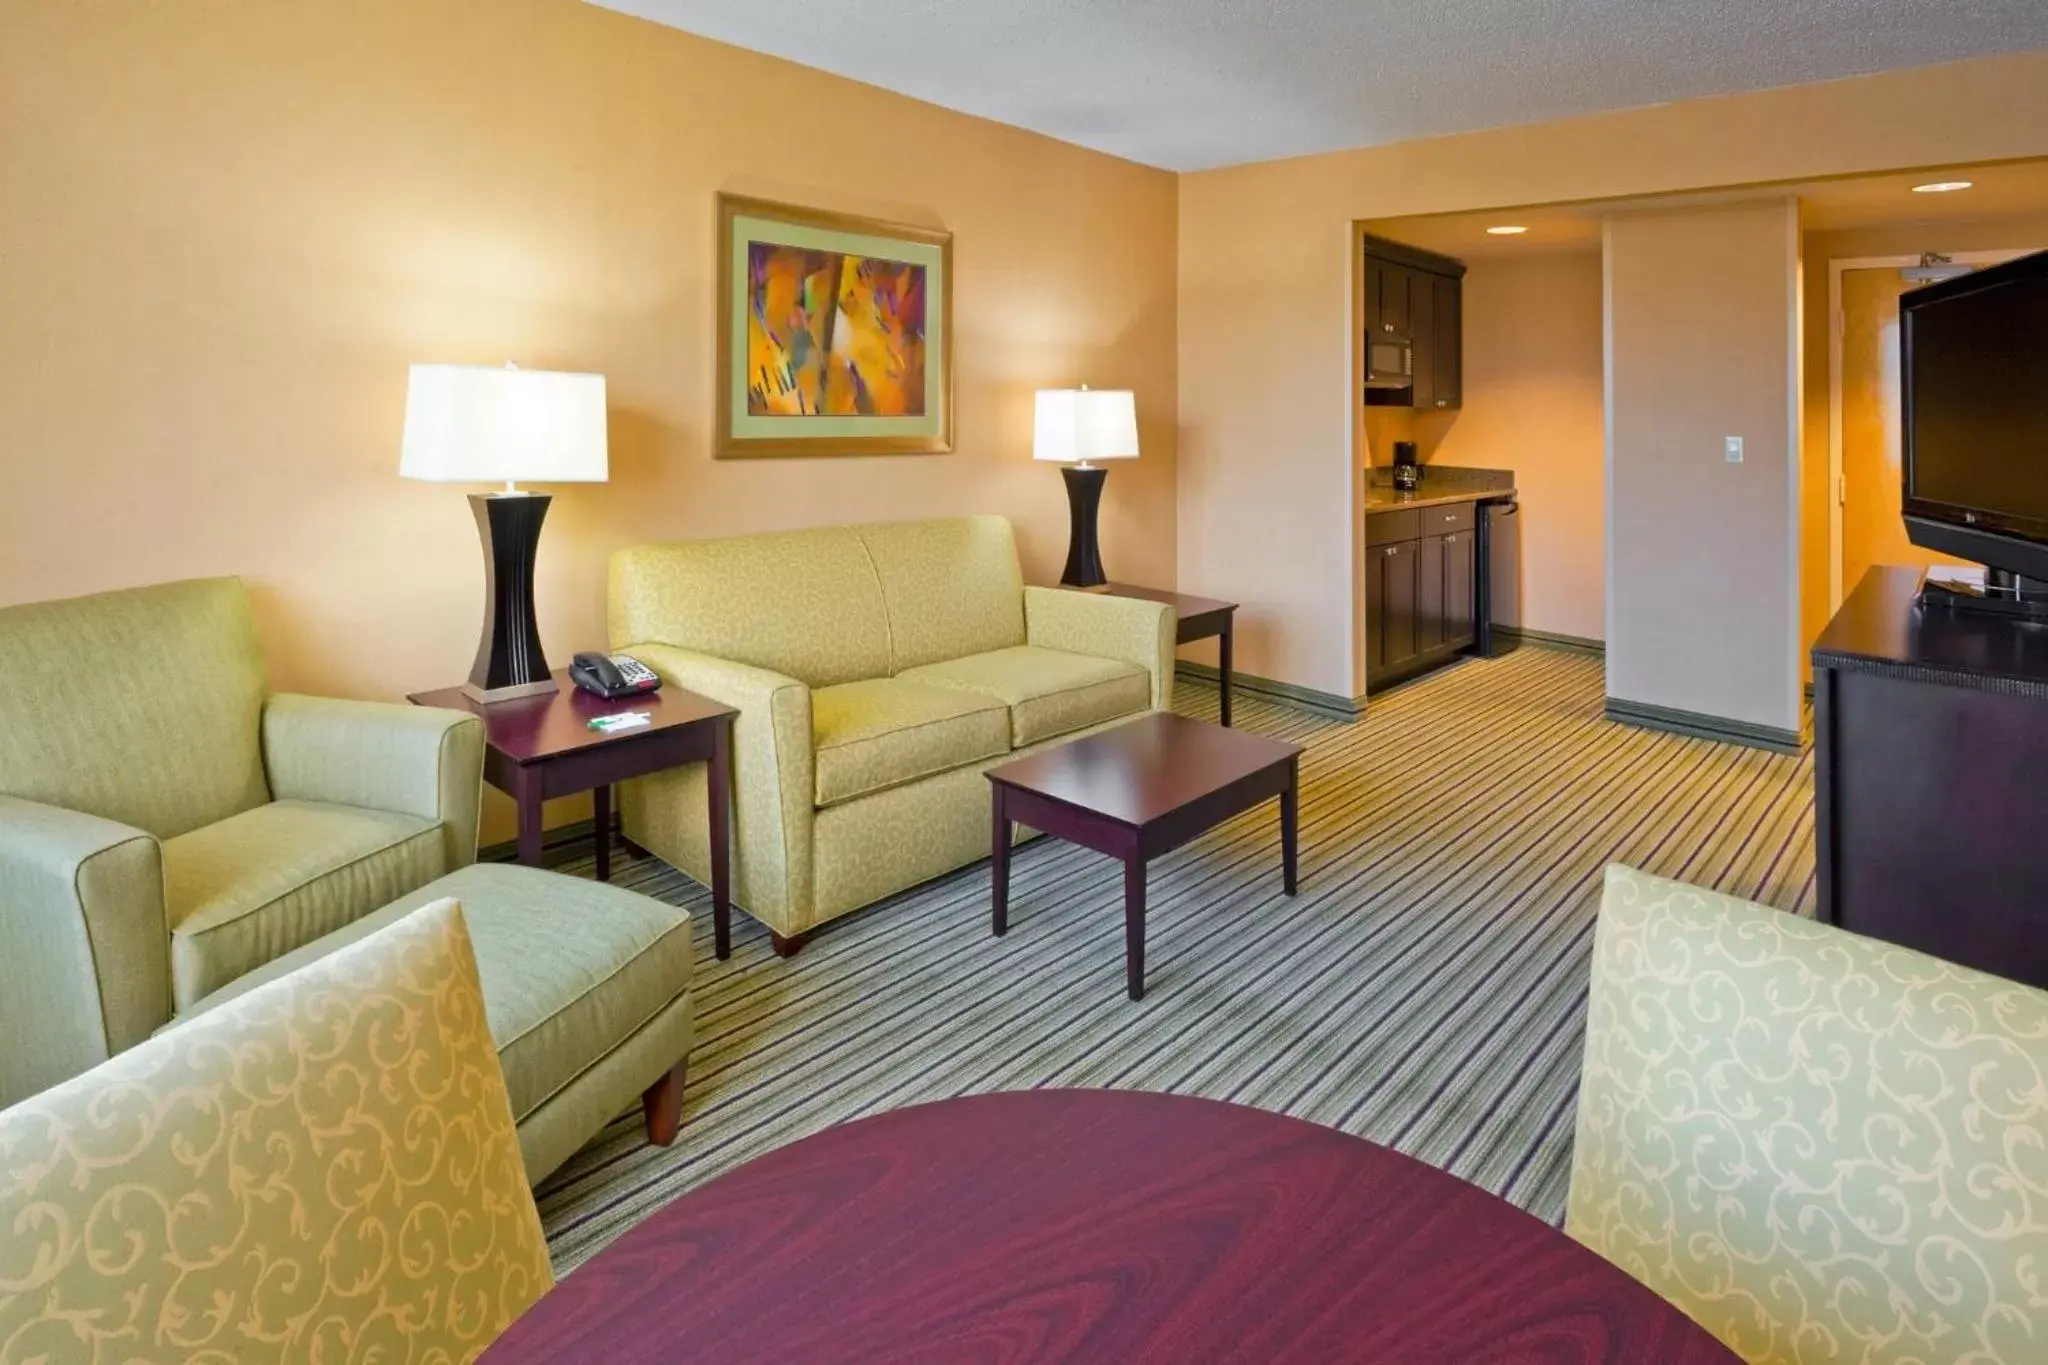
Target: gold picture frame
800,390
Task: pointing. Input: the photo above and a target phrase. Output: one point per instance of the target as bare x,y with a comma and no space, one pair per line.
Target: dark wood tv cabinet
1931,778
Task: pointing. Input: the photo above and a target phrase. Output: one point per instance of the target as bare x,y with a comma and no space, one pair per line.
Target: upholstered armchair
167,824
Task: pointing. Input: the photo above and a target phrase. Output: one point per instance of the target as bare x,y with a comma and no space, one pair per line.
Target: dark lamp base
509,662
1084,501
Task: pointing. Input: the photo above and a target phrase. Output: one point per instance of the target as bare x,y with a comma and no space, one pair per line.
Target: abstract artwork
833,335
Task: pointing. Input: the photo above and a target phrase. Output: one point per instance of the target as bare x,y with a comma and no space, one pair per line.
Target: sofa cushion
952,587
887,731
570,968
1049,691
801,603
139,706
254,886
327,1171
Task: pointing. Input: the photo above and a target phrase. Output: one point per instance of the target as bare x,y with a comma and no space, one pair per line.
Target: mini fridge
1499,571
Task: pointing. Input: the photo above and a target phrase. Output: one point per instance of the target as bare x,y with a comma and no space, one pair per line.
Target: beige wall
228,226
1267,476
1533,404
2004,233
1702,343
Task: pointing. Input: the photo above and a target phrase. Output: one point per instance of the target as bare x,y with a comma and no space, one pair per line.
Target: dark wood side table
1199,618
1136,792
537,748
1091,1227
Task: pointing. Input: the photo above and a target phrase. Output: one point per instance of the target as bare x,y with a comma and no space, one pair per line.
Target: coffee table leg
719,778
999,861
1290,802
1223,667
1134,926
601,817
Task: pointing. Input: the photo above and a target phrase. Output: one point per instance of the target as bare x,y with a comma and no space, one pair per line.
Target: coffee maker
1407,473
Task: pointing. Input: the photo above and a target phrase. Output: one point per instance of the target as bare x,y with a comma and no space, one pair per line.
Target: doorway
1866,521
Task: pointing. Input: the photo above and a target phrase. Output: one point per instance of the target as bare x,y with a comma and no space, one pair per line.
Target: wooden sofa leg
662,1102
790,946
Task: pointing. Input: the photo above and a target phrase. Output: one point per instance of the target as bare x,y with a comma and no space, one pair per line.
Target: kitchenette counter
1439,486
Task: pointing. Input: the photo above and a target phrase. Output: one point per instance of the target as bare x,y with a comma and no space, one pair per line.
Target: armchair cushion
888,731
325,1170
257,885
1049,691
409,760
1820,1146
138,706
84,959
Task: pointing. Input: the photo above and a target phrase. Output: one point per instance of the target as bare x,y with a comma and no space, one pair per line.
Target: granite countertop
1440,484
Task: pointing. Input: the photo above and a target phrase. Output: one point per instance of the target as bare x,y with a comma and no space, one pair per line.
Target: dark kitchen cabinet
1414,297
1420,589
1447,352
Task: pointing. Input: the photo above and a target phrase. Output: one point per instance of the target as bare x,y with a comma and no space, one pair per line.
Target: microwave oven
1389,361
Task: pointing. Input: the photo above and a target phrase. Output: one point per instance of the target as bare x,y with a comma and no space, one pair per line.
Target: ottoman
586,989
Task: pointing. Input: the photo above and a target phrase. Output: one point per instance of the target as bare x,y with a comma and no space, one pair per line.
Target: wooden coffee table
1096,1227
1136,792
538,748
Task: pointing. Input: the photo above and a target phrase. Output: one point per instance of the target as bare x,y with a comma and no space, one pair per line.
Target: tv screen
1976,399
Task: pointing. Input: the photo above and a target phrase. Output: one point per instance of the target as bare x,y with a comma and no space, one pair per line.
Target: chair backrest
1821,1147
143,706
323,1169
952,587
832,605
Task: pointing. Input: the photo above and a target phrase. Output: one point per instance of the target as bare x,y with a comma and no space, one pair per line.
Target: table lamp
1077,427
476,424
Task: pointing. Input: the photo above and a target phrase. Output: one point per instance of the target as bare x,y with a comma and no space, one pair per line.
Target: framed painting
835,333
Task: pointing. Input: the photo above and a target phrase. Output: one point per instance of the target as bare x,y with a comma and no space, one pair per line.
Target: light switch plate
1733,446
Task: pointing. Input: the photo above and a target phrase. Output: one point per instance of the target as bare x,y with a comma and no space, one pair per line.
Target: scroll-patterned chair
1823,1148
323,1169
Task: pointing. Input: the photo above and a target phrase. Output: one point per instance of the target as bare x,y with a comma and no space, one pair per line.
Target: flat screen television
1974,373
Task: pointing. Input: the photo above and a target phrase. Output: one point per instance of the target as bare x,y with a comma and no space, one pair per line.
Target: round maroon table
1088,1225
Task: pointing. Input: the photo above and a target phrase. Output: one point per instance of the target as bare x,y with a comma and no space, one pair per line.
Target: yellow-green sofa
168,824
878,671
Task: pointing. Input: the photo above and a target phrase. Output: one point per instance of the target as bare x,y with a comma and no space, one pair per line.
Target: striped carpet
1425,989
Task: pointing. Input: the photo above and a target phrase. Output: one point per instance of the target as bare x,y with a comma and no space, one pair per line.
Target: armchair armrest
84,948
414,760
774,783
1126,628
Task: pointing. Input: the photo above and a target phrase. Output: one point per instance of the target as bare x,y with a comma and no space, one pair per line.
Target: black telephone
612,676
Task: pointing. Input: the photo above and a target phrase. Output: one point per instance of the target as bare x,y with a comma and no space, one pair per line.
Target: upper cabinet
1414,333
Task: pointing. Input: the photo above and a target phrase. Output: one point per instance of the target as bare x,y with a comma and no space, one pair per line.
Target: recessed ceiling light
1507,230
1943,187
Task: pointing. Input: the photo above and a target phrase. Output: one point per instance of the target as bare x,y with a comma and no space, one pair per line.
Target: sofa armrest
1126,628
84,947
774,782
412,760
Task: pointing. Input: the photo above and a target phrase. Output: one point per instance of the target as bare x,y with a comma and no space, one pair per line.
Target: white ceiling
1191,84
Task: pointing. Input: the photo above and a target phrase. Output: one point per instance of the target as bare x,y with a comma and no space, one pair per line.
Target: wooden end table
1198,617
1096,1227
1136,792
537,748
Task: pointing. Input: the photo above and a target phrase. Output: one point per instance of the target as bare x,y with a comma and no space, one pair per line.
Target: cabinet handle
1386,327
1393,550
1443,402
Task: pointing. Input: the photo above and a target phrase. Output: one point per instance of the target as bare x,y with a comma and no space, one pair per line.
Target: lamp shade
477,424
1085,425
